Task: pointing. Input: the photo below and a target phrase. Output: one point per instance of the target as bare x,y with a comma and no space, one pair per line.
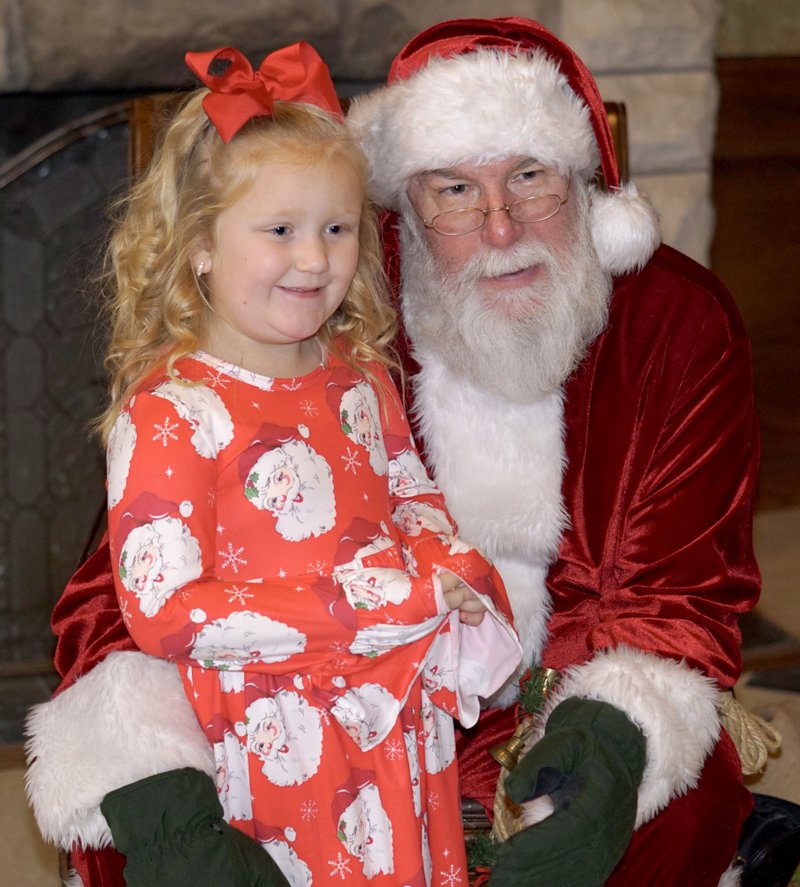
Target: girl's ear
202,260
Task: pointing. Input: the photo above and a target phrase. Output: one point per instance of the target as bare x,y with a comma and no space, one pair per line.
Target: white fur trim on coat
127,719
500,466
674,706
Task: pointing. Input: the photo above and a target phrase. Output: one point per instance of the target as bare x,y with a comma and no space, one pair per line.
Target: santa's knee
694,839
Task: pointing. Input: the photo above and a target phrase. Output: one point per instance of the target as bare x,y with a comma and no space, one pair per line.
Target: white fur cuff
674,706
127,719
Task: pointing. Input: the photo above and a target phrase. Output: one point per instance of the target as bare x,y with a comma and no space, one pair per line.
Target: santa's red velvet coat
648,563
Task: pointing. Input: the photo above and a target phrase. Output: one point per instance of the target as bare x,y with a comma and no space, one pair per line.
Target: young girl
272,528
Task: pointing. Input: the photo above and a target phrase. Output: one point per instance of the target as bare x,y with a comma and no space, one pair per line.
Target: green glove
171,830
590,761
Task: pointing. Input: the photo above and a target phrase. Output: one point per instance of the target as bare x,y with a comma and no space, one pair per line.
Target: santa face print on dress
156,558
440,745
119,452
285,733
366,713
414,517
359,417
243,638
280,262
205,413
233,784
407,476
363,826
283,475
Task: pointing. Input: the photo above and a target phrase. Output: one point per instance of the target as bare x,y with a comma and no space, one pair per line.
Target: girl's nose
312,255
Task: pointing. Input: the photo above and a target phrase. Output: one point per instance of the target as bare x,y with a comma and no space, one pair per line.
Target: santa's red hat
478,89
349,790
270,437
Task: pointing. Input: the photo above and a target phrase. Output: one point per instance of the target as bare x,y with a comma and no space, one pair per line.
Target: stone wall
655,56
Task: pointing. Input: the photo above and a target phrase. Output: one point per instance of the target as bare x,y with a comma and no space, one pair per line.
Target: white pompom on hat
478,89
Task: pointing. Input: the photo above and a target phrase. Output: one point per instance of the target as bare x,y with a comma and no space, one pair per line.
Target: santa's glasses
453,222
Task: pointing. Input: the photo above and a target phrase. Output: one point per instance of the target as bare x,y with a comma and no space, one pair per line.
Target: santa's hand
460,597
171,830
590,763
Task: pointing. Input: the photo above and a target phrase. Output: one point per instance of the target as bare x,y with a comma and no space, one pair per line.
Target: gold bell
507,753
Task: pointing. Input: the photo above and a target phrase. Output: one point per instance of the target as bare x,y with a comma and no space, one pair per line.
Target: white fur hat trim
493,103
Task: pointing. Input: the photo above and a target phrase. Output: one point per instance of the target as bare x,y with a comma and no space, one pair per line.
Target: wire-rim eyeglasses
455,222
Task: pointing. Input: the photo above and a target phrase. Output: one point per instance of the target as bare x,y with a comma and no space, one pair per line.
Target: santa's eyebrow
449,174
445,173
526,162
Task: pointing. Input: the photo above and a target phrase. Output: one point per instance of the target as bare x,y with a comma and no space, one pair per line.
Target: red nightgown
279,539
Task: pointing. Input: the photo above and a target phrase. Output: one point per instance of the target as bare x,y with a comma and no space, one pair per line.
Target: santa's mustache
492,262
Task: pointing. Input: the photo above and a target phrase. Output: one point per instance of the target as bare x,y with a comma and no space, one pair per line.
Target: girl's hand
460,597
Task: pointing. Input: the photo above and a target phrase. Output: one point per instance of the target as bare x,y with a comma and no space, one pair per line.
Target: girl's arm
165,551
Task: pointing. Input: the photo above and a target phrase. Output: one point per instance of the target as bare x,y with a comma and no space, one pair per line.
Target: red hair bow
295,73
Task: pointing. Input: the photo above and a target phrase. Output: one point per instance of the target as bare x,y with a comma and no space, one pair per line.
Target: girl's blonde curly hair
154,303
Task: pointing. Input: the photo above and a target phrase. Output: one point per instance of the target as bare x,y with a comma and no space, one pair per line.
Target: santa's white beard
526,342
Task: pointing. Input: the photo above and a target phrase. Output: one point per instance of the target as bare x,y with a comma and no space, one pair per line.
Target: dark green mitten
590,761
171,830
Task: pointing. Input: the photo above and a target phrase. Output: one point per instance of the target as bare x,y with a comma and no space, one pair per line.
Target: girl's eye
279,230
339,228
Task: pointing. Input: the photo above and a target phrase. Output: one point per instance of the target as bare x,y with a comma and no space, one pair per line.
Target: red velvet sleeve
87,621
663,453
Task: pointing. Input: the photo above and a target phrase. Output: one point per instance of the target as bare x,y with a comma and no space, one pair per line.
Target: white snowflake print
340,866
433,800
339,650
308,811
452,877
317,567
291,385
123,608
351,460
394,749
217,380
166,432
169,472
212,497
231,558
309,408
238,594
281,573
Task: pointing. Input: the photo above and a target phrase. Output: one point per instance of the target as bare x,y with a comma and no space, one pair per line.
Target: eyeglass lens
529,209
